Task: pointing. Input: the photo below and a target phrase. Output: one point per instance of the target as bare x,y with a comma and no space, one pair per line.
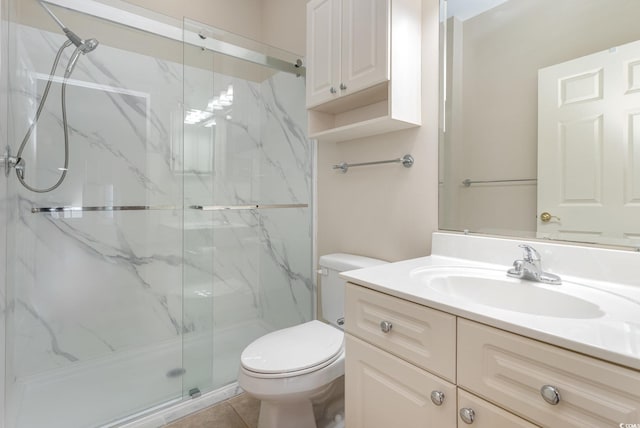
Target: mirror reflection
541,119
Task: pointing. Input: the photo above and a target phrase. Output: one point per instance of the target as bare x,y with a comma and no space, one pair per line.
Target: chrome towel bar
406,161
469,182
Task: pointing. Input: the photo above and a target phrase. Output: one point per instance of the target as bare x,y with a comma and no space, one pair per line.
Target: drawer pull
551,394
385,326
467,415
437,397
332,90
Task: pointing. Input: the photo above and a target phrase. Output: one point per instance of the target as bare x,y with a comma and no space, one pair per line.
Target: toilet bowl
293,369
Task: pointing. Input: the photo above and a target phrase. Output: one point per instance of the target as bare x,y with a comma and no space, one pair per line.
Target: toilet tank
332,286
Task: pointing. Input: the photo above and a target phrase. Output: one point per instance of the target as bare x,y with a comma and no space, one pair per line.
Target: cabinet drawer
420,335
511,370
383,391
486,415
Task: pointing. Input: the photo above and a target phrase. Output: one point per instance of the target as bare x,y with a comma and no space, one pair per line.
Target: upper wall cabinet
364,67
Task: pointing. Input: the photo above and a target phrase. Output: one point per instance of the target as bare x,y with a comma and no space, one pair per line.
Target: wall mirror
540,119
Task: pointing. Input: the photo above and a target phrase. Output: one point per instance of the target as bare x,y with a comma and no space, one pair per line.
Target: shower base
99,393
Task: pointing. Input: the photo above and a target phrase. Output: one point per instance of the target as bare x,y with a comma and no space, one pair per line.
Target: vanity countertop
614,335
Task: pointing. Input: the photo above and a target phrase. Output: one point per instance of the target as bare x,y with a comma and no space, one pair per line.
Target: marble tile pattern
89,288
3,199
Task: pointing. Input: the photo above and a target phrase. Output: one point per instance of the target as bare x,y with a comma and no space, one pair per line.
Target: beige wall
284,24
386,211
278,23
242,17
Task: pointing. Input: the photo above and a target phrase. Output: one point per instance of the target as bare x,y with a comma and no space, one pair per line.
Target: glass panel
245,144
96,321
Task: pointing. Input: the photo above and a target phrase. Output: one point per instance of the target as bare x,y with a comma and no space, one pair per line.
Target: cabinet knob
467,415
437,397
332,90
343,87
551,394
385,326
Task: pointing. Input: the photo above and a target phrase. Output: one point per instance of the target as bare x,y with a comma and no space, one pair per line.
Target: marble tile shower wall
3,200
93,285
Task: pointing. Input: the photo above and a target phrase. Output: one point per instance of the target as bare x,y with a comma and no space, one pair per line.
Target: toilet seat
293,351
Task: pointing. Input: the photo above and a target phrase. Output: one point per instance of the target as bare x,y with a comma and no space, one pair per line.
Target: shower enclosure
183,228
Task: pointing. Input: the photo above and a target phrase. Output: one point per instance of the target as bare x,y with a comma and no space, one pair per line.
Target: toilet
292,369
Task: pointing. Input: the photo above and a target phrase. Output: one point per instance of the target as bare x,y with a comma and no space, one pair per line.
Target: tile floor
237,412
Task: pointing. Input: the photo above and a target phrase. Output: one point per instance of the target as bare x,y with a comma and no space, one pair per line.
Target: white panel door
365,44
323,50
589,147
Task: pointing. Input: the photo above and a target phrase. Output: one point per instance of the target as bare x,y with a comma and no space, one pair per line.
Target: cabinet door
323,50
486,415
365,44
514,371
383,391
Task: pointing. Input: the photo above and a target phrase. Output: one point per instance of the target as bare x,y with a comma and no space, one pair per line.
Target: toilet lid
293,349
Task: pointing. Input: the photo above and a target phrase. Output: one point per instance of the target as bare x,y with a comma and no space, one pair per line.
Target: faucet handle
530,253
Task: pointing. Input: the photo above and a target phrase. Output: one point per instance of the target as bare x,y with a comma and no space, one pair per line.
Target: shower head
85,46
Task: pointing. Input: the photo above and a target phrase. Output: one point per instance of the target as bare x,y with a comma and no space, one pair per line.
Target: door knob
545,217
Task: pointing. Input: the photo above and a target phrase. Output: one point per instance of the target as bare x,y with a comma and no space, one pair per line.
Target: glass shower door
95,266
247,190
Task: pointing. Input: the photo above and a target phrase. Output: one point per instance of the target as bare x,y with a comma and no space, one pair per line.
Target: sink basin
494,288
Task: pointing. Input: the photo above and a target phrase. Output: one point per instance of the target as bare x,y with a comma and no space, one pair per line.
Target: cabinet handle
332,90
437,397
343,87
467,415
385,326
551,394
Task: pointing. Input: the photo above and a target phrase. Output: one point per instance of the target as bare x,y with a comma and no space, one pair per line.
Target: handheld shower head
88,45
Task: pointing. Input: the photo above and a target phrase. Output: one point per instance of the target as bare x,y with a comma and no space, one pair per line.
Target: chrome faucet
530,267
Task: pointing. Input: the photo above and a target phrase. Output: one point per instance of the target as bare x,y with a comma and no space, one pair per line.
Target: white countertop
613,336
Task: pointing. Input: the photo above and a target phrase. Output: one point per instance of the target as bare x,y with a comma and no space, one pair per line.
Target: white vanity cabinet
363,67
399,353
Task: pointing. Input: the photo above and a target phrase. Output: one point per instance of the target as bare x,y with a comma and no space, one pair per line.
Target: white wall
386,211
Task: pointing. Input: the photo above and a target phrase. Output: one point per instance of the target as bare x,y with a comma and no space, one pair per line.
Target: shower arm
77,41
